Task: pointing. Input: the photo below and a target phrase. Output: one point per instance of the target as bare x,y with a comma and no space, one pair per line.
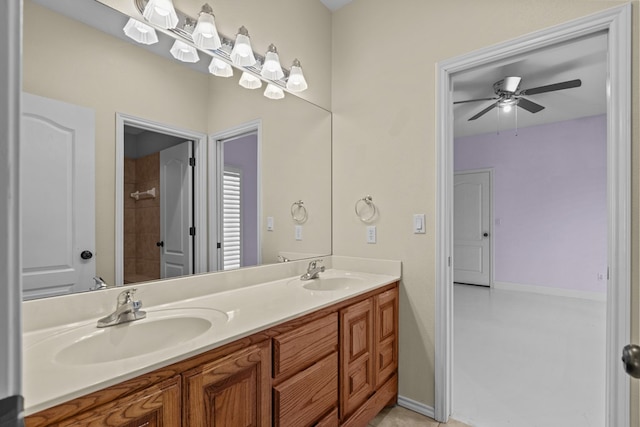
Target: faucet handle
126,296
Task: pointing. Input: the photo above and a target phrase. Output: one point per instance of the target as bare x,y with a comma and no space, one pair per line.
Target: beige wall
299,28
384,138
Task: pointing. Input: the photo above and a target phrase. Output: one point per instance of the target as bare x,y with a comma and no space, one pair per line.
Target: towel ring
299,212
364,204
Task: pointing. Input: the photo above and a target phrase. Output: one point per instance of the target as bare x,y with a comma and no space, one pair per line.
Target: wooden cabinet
369,360
156,406
385,336
334,367
356,370
231,392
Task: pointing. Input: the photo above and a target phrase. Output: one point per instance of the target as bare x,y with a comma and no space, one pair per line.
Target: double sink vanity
287,344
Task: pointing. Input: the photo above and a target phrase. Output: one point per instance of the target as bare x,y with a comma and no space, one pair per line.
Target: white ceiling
334,5
584,59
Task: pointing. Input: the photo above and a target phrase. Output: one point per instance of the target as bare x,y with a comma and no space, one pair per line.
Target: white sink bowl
330,281
160,330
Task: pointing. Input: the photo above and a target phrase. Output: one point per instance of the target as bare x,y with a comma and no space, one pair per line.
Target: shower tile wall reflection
141,219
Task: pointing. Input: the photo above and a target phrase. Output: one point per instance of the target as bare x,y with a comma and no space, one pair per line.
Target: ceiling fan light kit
507,94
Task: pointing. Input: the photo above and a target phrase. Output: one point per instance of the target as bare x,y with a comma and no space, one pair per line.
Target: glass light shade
296,81
250,81
220,68
271,69
140,32
183,52
161,13
242,54
205,35
273,92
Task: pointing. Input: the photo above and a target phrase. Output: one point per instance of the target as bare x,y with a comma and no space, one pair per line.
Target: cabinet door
230,392
156,406
356,370
385,336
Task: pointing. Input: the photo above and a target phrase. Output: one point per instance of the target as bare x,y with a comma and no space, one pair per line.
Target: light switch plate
419,226
269,223
298,232
371,234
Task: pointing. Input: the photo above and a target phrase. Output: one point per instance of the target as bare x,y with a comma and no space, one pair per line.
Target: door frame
199,186
617,22
491,220
216,168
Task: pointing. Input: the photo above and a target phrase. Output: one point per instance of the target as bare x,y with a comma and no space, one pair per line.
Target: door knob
160,244
485,234
631,360
86,255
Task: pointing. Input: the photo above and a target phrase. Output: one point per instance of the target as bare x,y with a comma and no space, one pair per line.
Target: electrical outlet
371,234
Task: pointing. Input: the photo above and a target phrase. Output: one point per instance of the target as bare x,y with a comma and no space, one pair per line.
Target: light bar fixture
140,32
249,81
225,52
184,52
296,81
161,13
242,54
272,70
273,92
205,35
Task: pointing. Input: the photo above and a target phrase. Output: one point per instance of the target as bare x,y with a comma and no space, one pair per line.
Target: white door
176,210
471,228
57,187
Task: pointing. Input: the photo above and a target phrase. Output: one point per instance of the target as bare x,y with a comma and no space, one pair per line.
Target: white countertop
49,380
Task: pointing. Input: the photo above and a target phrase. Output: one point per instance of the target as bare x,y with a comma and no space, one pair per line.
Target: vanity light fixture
140,32
273,92
184,52
219,68
296,81
249,81
205,35
242,54
272,70
161,13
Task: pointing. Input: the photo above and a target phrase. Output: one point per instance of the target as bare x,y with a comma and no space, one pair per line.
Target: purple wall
550,201
242,153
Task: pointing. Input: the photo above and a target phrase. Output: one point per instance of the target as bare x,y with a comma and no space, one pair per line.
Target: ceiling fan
507,95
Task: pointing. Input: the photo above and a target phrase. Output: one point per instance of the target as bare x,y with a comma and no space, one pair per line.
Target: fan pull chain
498,121
516,108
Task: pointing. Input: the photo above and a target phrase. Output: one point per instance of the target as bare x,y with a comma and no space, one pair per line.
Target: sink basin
161,330
330,281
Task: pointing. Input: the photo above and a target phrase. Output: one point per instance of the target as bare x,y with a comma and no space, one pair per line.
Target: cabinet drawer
303,398
330,420
303,346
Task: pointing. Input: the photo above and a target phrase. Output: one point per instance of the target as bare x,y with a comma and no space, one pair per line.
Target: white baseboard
418,407
545,290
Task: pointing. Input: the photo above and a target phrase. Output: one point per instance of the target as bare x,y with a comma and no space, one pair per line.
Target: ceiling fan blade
530,106
485,111
474,100
552,87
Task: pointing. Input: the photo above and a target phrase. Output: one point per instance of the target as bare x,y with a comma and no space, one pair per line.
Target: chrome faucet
99,283
313,270
127,310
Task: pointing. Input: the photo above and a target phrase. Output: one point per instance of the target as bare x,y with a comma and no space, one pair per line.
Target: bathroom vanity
320,352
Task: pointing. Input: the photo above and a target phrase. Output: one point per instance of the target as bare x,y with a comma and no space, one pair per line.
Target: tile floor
398,416
527,360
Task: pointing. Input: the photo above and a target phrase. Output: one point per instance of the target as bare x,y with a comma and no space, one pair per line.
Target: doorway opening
160,201
616,23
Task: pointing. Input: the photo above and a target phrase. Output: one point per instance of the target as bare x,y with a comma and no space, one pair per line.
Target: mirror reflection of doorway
158,205
240,244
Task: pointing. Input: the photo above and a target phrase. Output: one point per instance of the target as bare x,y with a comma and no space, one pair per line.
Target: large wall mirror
145,115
